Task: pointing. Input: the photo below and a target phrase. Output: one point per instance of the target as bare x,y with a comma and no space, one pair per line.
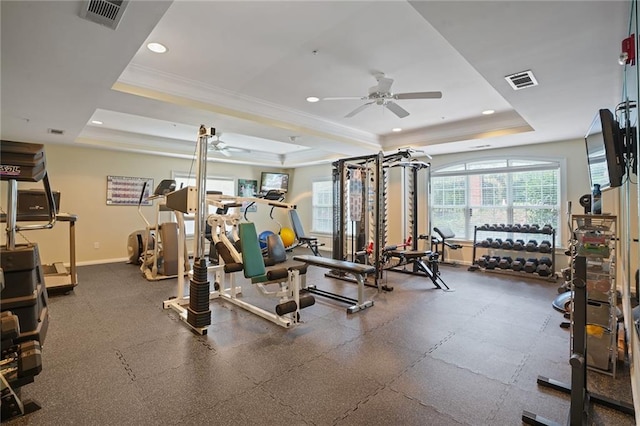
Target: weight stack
24,292
198,312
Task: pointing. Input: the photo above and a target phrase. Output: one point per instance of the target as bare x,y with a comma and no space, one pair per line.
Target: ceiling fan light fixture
313,99
157,47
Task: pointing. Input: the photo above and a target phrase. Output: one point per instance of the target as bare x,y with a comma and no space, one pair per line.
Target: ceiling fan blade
342,98
396,109
359,109
225,152
384,84
418,95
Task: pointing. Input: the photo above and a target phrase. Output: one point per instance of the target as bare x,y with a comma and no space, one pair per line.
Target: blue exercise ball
262,238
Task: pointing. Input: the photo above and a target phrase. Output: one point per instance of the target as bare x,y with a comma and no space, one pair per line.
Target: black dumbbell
530,265
518,263
534,228
493,262
496,243
501,227
508,227
483,227
518,245
543,270
515,227
505,262
545,247
486,242
545,260
493,227
547,229
525,227
507,244
532,245
482,260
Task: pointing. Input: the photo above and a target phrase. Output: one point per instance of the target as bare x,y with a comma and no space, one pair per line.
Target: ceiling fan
381,94
220,147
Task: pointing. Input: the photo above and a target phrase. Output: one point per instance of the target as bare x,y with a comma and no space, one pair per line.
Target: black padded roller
277,274
286,307
306,301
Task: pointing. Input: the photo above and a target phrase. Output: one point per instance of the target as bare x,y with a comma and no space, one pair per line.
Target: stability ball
287,236
262,238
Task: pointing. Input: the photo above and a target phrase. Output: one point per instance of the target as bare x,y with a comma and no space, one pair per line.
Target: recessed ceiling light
488,112
396,129
313,99
157,47
96,122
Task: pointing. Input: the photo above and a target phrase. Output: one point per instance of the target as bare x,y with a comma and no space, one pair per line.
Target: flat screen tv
605,147
270,180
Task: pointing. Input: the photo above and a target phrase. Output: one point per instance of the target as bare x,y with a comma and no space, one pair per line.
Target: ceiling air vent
104,12
521,80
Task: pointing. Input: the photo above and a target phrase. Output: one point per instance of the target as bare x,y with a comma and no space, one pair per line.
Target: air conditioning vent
55,131
521,80
104,12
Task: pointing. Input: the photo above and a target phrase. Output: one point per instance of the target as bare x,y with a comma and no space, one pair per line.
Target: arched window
507,191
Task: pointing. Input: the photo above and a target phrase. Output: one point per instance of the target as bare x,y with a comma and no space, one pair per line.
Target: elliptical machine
155,248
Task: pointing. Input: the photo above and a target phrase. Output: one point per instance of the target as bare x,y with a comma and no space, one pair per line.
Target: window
495,191
322,207
225,185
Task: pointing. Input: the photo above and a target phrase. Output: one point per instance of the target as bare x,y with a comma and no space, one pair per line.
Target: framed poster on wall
126,190
247,188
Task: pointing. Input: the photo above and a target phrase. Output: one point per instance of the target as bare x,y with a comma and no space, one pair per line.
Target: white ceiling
246,69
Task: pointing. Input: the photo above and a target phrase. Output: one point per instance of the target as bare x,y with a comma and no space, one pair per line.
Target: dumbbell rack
515,233
595,240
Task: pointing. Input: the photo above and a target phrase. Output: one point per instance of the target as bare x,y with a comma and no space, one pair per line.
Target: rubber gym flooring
420,356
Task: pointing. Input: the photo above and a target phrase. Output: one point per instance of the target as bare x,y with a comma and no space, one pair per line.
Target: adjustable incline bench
415,258
444,232
303,240
357,270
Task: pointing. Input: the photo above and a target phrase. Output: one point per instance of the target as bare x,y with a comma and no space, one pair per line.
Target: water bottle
596,200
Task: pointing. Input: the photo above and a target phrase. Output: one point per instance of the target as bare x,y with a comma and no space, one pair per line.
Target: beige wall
80,174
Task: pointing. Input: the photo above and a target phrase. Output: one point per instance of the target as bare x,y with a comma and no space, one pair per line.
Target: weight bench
415,258
303,240
287,311
357,270
444,232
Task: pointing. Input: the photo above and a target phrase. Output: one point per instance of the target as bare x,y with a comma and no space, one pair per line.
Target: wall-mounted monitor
605,151
269,180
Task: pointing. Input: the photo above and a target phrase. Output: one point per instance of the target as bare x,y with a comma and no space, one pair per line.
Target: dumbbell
505,262
501,227
545,247
525,227
486,242
507,244
532,245
518,245
518,263
508,227
496,243
545,260
516,227
484,227
482,260
547,229
530,265
493,227
544,270
492,262
534,228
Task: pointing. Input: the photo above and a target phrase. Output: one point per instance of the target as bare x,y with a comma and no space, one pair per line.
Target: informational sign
247,188
126,190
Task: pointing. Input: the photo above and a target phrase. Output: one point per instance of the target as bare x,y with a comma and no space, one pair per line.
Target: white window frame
465,168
